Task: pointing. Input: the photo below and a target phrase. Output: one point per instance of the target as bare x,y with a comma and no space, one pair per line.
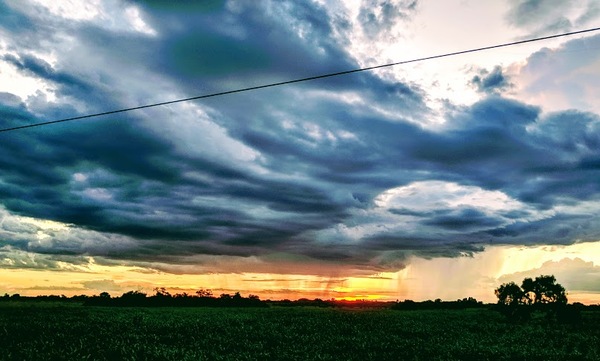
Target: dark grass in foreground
71,332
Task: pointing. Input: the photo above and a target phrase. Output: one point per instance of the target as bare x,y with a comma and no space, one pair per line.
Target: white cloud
80,177
112,14
431,196
99,194
420,208
28,234
37,224
22,85
430,31
575,274
566,77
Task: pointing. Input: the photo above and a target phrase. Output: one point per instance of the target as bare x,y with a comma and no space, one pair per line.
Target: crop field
73,332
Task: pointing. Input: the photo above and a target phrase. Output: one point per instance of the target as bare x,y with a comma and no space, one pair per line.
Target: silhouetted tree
204,293
509,294
438,304
543,290
132,298
161,292
541,293
527,287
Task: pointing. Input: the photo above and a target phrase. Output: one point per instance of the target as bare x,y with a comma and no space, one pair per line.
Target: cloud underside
339,171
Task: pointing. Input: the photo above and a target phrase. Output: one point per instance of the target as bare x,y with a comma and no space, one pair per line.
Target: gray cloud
525,12
377,16
464,219
12,20
491,82
551,16
14,258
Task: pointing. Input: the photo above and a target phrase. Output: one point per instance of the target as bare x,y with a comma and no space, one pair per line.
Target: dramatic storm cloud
358,172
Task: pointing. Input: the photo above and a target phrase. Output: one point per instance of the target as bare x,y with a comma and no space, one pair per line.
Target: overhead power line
329,75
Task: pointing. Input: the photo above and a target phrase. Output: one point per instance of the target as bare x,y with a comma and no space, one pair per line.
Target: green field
30,331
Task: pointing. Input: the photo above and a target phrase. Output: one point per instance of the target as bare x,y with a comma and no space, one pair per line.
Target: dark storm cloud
184,6
559,229
491,82
463,220
243,41
532,158
571,141
284,170
13,111
429,247
488,145
505,145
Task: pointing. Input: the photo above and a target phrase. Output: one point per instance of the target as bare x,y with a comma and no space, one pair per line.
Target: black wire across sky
322,76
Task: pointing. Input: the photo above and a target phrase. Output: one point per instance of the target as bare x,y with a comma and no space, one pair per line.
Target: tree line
438,304
163,298
542,295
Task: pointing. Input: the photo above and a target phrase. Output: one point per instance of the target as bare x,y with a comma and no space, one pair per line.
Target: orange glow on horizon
445,278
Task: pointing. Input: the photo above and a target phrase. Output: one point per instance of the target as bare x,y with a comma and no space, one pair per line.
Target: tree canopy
541,290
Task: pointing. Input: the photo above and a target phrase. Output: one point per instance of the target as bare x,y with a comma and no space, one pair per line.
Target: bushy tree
541,293
509,294
542,290
132,298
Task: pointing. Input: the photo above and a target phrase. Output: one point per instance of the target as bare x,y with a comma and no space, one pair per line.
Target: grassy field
72,332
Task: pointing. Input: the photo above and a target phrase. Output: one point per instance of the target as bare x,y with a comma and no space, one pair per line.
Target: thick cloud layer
335,171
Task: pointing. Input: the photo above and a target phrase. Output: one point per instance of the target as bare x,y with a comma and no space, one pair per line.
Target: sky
435,179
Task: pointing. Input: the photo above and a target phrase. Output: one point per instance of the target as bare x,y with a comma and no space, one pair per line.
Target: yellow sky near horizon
421,279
